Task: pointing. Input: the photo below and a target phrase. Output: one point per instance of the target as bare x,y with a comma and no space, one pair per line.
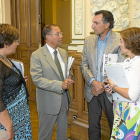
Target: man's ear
5,46
47,37
107,25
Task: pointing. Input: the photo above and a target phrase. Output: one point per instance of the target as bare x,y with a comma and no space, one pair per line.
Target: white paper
107,59
70,61
3,134
118,73
19,65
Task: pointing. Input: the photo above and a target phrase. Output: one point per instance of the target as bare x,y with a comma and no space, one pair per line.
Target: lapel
94,46
109,44
50,60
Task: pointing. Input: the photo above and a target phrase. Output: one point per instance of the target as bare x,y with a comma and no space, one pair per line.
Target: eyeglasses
15,40
57,34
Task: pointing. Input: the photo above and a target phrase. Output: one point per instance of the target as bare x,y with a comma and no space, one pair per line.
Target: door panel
25,17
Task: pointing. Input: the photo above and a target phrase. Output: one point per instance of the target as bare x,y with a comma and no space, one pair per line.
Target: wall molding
1,17
78,18
78,24
5,11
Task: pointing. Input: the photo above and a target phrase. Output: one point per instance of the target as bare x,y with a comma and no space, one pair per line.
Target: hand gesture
98,87
109,86
94,92
110,82
67,83
108,89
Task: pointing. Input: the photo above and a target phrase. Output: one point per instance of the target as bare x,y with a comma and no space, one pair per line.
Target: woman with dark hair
126,124
14,108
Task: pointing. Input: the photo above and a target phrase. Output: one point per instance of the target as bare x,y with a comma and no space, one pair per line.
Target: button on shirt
51,50
100,50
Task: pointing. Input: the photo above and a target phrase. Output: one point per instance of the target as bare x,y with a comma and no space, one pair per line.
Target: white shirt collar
51,50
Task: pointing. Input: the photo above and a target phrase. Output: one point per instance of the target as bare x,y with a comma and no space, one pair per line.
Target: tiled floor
35,121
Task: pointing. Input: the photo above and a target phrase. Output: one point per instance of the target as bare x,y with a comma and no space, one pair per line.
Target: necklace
6,60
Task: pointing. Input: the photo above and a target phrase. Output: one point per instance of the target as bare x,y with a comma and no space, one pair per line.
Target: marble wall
126,14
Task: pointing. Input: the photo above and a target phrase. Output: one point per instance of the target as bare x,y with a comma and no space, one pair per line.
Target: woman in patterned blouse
14,107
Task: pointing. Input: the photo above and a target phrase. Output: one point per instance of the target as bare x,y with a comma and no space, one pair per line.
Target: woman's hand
109,86
110,82
25,78
10,133
7,124
108,89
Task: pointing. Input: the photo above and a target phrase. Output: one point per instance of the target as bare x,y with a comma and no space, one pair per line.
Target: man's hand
94,92
98,86
70,76
67,83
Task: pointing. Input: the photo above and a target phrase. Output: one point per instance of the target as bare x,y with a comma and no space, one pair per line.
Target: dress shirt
51,50
100,49
134,78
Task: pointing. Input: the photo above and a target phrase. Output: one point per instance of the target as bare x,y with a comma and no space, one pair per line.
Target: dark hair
107,17
47,29
131,38
8,34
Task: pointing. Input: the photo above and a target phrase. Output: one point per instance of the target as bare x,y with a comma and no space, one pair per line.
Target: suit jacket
89,59
47,80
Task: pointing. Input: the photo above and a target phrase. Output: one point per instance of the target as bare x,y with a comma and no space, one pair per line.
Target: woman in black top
14,108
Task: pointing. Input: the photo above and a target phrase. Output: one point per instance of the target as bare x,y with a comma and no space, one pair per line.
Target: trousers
95,107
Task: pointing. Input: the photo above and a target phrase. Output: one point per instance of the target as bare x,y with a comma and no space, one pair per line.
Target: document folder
118,72
19,65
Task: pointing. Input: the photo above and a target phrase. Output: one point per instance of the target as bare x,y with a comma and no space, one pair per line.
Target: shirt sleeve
91,79
134,85
2,105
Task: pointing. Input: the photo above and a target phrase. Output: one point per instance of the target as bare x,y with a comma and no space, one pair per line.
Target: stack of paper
70,61
19,65
3,134
107,59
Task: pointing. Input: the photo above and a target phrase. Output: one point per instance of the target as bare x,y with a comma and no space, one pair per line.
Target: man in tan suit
104,41
48,71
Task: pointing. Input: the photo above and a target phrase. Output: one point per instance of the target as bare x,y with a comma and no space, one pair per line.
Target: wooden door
26,16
